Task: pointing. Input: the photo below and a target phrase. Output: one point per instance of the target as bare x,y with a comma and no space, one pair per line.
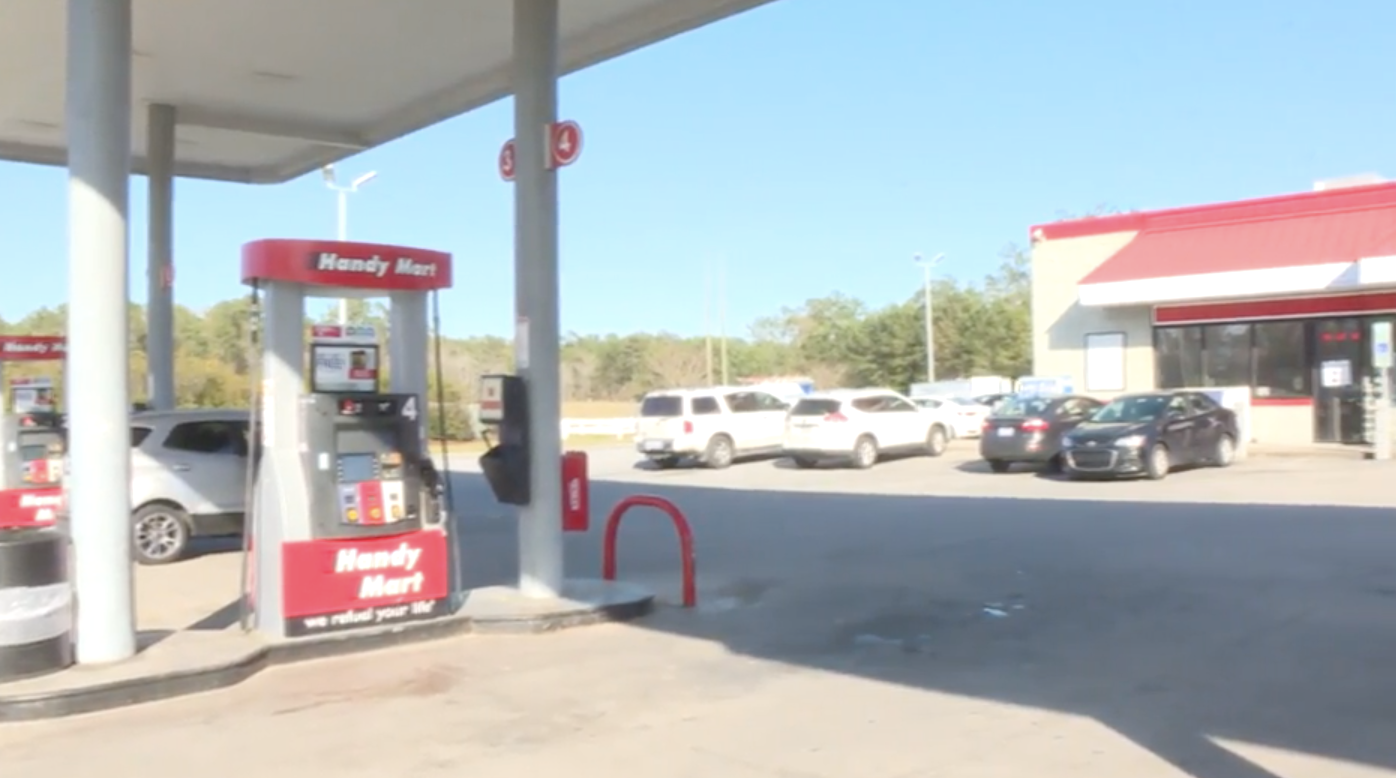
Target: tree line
981,328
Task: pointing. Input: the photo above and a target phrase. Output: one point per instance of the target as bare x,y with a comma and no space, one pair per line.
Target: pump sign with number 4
565,141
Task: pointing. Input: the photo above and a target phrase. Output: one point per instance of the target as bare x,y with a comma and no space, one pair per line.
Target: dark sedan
1029,429
1150,434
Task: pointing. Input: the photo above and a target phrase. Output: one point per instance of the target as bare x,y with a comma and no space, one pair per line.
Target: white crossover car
714,426
966,416
861,425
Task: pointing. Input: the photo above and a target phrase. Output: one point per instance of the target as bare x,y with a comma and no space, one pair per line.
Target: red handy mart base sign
338,585
25,508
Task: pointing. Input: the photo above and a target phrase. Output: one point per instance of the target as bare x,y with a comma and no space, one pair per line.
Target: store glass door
1340,363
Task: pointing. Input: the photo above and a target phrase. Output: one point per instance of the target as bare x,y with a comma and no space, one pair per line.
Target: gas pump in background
506,465
350,519
32,436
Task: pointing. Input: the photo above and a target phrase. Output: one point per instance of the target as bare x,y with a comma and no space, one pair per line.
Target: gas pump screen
357,468
344,368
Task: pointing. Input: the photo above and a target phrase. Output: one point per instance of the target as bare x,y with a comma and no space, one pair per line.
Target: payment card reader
504,405
367,464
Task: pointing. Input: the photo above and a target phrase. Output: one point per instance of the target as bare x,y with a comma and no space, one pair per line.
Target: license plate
653,445
1005,432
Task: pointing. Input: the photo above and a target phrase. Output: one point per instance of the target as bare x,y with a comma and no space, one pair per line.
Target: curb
135,691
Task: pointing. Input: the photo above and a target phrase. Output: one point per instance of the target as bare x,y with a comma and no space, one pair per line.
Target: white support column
98,123
536,289
408,341
281,505
159,311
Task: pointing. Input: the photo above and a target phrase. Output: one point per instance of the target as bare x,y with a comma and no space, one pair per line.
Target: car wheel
160,534
804,463
719,453
999,466
1225,452
936,441
1055,465
864,452
1158,463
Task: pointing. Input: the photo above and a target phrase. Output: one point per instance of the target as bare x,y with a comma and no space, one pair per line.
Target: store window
1270,357
1178,351
1226,355
1281,360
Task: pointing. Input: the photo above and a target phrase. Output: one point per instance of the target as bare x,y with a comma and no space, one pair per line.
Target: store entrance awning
1285,255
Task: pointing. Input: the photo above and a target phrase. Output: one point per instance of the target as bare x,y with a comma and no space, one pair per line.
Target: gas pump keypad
371,488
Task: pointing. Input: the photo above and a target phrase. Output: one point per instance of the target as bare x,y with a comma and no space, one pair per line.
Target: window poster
1105,362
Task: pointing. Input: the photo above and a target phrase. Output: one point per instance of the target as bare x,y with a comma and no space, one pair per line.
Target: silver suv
188,479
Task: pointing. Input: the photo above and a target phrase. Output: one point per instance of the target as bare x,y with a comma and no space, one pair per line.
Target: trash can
36,603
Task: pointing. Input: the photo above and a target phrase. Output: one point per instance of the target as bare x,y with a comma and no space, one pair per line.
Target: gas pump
32,441
349,528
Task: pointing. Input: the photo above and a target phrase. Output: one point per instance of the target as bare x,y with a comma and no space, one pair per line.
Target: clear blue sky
815,145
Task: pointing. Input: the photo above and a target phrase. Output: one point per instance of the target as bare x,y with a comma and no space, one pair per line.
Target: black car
1149,434
991,401
1029,429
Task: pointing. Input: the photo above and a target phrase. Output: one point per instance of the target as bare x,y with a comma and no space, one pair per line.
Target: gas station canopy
268,90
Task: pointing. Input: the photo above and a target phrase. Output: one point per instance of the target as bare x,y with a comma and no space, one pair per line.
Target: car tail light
1034,425
986,424
835,416
687,427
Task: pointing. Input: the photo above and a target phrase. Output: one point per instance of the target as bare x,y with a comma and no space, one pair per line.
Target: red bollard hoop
608,544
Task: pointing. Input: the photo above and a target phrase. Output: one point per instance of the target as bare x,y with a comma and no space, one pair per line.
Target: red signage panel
373,266
32,348
576,492
336,585
22,508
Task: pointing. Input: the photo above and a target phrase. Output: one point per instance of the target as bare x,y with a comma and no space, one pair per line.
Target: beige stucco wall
1060,324
1283,425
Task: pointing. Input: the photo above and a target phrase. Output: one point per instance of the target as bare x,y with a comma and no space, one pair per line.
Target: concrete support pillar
159,312
98,403
536,289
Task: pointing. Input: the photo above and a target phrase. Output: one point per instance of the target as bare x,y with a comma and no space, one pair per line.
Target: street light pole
342,215
927,265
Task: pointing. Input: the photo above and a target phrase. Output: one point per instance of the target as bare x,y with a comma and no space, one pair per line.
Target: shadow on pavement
1173,624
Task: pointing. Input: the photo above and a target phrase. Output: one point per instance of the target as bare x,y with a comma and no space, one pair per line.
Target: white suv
715,426
860,425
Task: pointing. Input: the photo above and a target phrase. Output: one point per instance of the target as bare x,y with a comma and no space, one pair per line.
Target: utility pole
927,265
342,216
722,319
708,316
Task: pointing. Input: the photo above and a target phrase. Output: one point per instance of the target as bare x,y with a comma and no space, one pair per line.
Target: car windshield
926,402
1023,406
662,405
1146,407
964,401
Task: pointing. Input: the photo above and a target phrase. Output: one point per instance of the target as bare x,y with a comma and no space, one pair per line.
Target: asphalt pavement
923,618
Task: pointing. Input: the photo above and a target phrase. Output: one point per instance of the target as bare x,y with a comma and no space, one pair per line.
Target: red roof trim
1300,204
1260,310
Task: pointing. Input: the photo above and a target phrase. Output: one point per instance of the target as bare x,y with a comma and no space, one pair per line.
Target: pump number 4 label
409,409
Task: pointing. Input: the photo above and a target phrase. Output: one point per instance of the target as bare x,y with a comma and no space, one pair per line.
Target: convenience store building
1278,294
